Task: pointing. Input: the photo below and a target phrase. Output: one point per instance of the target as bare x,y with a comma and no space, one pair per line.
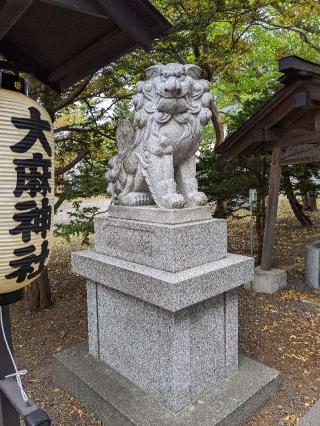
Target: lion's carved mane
156,162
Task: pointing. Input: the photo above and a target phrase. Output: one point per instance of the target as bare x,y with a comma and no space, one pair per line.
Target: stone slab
164,246
269,282
117,402
169,290
173,356
155,214
312,264
312,417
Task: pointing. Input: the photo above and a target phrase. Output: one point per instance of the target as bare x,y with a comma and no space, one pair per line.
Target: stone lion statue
156,163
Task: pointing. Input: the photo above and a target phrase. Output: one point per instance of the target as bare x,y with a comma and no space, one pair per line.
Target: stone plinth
312,264
172,356
118,402
173,244
162,302
268,282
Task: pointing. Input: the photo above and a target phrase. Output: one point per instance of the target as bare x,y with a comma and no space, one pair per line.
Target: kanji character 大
36,126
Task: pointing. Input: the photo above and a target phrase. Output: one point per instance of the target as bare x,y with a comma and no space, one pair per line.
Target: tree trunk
309,202
38,294
221,209
295,206
217,124
305,202
313,203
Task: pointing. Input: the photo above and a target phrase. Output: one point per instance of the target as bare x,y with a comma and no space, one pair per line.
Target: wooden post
269,230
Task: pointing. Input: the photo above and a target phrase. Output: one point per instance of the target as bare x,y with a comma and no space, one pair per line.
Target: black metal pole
12,407
8,415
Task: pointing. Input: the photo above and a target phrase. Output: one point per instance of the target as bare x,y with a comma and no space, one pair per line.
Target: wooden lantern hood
290,120
62,41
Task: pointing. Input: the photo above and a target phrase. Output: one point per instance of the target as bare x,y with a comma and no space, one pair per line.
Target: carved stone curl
156,163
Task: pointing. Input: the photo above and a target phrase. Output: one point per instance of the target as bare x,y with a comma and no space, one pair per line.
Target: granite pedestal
162,302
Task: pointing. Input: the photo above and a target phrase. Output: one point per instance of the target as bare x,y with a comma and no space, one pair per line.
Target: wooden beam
277,109
304,138
93,59
87,7
269,230
80,60
128,21
10,12
301,154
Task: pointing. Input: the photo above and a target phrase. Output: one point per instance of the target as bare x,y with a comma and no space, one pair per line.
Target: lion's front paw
197,199
173,201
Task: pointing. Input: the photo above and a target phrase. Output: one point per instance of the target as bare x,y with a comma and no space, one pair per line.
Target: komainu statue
156,163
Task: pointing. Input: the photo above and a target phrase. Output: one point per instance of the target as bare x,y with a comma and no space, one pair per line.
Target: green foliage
80,224
233,181
237,44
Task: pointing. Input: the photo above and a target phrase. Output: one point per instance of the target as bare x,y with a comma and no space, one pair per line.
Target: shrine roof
289,118
62,41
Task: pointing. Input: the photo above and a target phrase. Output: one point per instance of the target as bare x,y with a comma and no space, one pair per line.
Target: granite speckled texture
118,402
312,264
172,356
93,326
156,161
164,246
171,291
162,301
156,215
312,417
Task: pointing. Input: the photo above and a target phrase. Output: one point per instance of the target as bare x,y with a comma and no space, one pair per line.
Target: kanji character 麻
33,176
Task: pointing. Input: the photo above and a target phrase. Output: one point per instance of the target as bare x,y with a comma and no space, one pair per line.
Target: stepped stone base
163,322
118,402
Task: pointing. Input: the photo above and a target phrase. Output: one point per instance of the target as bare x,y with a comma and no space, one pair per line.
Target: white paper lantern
26,189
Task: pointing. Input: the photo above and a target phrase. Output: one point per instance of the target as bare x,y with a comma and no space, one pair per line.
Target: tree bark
313,203
309,203
38,294
221,209
217,124
295,206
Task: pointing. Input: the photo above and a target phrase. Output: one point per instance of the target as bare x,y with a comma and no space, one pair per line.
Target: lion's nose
172,87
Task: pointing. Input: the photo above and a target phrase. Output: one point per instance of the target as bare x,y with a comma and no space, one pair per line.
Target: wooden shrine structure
287,127
62,41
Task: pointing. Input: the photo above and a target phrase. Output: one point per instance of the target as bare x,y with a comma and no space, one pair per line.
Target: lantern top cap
62,41
13,82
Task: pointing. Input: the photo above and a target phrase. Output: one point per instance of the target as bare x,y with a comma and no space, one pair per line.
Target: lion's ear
193,71
153,71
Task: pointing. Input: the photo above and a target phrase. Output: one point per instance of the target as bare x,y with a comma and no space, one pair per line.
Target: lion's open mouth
172,105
